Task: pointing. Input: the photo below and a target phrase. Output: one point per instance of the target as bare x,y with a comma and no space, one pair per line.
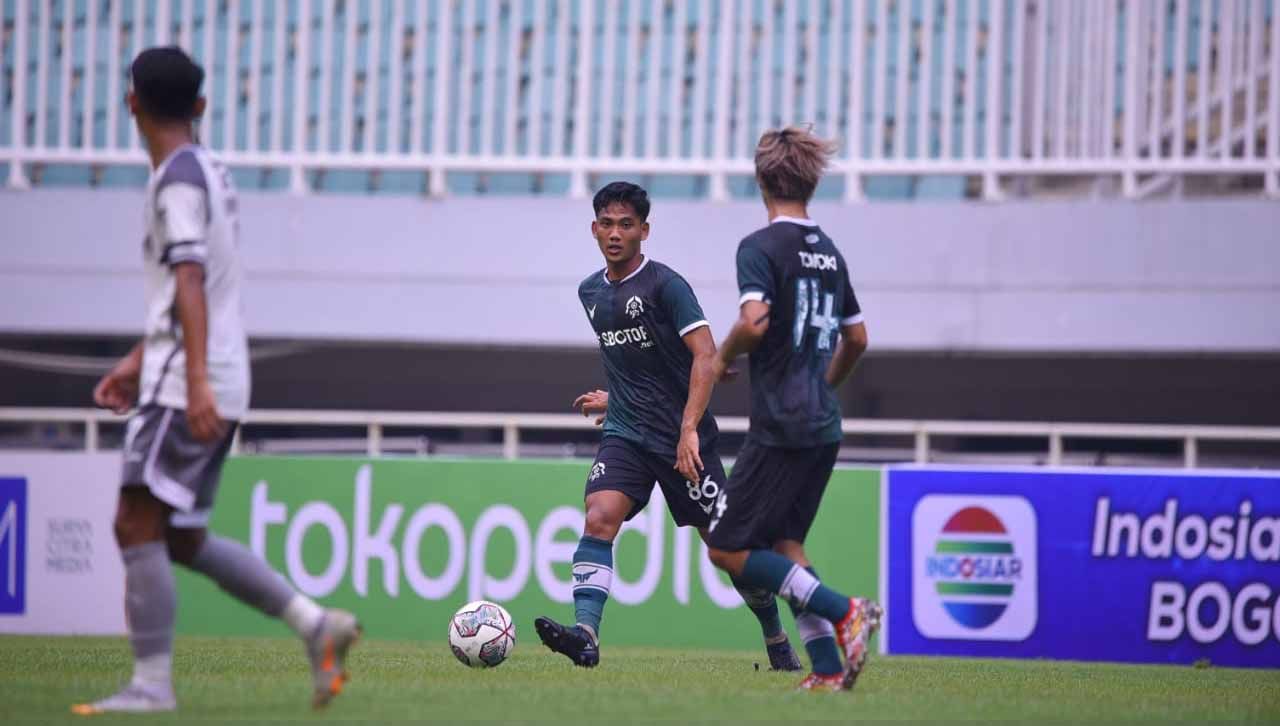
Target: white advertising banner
60,570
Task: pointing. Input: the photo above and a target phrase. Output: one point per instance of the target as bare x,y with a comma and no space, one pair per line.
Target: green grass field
244,679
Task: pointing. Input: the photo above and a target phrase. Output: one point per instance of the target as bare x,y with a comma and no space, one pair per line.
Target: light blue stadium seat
493,22
65,175
887,187
132,176
940,187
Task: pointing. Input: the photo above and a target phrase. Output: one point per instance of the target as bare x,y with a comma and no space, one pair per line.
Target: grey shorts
161,454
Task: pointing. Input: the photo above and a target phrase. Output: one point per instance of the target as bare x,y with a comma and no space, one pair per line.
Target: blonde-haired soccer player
801,324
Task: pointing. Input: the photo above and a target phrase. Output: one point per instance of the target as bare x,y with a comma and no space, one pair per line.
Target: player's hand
688,460
593,402
118,390
202,413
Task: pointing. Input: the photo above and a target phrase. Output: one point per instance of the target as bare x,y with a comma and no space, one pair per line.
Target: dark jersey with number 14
640,322
795,268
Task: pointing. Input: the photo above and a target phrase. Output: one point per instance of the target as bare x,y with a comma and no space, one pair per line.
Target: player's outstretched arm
702,378
189,299
853,343
596,402
118,390
747,332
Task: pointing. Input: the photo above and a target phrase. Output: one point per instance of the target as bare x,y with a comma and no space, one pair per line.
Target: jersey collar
174,154
634,272
794,220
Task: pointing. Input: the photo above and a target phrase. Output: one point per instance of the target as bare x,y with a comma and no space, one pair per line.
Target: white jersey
191,216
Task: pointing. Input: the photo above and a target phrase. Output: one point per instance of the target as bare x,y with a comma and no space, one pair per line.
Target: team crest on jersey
635,307
597,471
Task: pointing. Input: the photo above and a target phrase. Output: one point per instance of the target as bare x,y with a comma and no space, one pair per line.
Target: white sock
798,586
154,671
303,615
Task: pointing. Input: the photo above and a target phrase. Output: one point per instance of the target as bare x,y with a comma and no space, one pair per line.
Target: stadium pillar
1055,448
719,189
17,176
297,180
578,184
510,441
1129,185
435,182
991,190
1190,453
18,100
922,446
853,187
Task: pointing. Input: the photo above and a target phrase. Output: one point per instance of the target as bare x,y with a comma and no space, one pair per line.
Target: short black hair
621,192
167,82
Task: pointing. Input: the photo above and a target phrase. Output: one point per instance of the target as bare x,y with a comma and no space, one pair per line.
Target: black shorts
773,494
624,467
161,454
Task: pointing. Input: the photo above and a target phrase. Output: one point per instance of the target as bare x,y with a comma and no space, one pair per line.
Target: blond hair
790,161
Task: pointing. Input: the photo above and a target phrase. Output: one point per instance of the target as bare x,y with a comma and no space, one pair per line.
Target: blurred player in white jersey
189,377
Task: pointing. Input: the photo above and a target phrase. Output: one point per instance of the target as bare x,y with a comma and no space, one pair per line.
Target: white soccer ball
482,634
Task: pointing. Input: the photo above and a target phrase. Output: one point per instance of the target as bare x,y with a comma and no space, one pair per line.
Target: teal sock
764,606
775,573
819,638
592,578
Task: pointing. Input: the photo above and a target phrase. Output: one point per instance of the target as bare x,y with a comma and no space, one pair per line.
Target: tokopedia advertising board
404,543
1114,565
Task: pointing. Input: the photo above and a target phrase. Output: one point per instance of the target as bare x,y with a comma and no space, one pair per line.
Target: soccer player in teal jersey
802,325
658,351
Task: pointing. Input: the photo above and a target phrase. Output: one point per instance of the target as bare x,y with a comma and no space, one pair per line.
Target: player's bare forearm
702,377
202,410
853,343
192,307
131,364
747,332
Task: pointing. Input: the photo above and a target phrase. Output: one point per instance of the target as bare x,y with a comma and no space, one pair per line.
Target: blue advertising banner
1133,566
13,546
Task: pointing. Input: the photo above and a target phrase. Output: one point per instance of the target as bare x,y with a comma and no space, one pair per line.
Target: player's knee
140,518
135,528
722,559
793,551
602,523
184,544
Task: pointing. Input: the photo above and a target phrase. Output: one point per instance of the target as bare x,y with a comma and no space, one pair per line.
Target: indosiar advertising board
403,543
1137,566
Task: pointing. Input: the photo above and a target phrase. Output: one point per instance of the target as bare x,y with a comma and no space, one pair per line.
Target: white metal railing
1147,90
511,425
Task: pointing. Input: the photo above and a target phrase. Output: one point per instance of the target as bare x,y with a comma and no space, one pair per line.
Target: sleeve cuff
186,251
693,326
851,320
751,296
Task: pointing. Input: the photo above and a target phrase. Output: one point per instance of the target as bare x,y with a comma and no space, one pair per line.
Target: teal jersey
640,322
795,268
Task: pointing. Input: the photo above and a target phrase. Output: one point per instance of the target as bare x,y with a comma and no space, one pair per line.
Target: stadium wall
1090,276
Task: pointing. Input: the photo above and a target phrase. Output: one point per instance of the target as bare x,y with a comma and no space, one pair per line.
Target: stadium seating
355,46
